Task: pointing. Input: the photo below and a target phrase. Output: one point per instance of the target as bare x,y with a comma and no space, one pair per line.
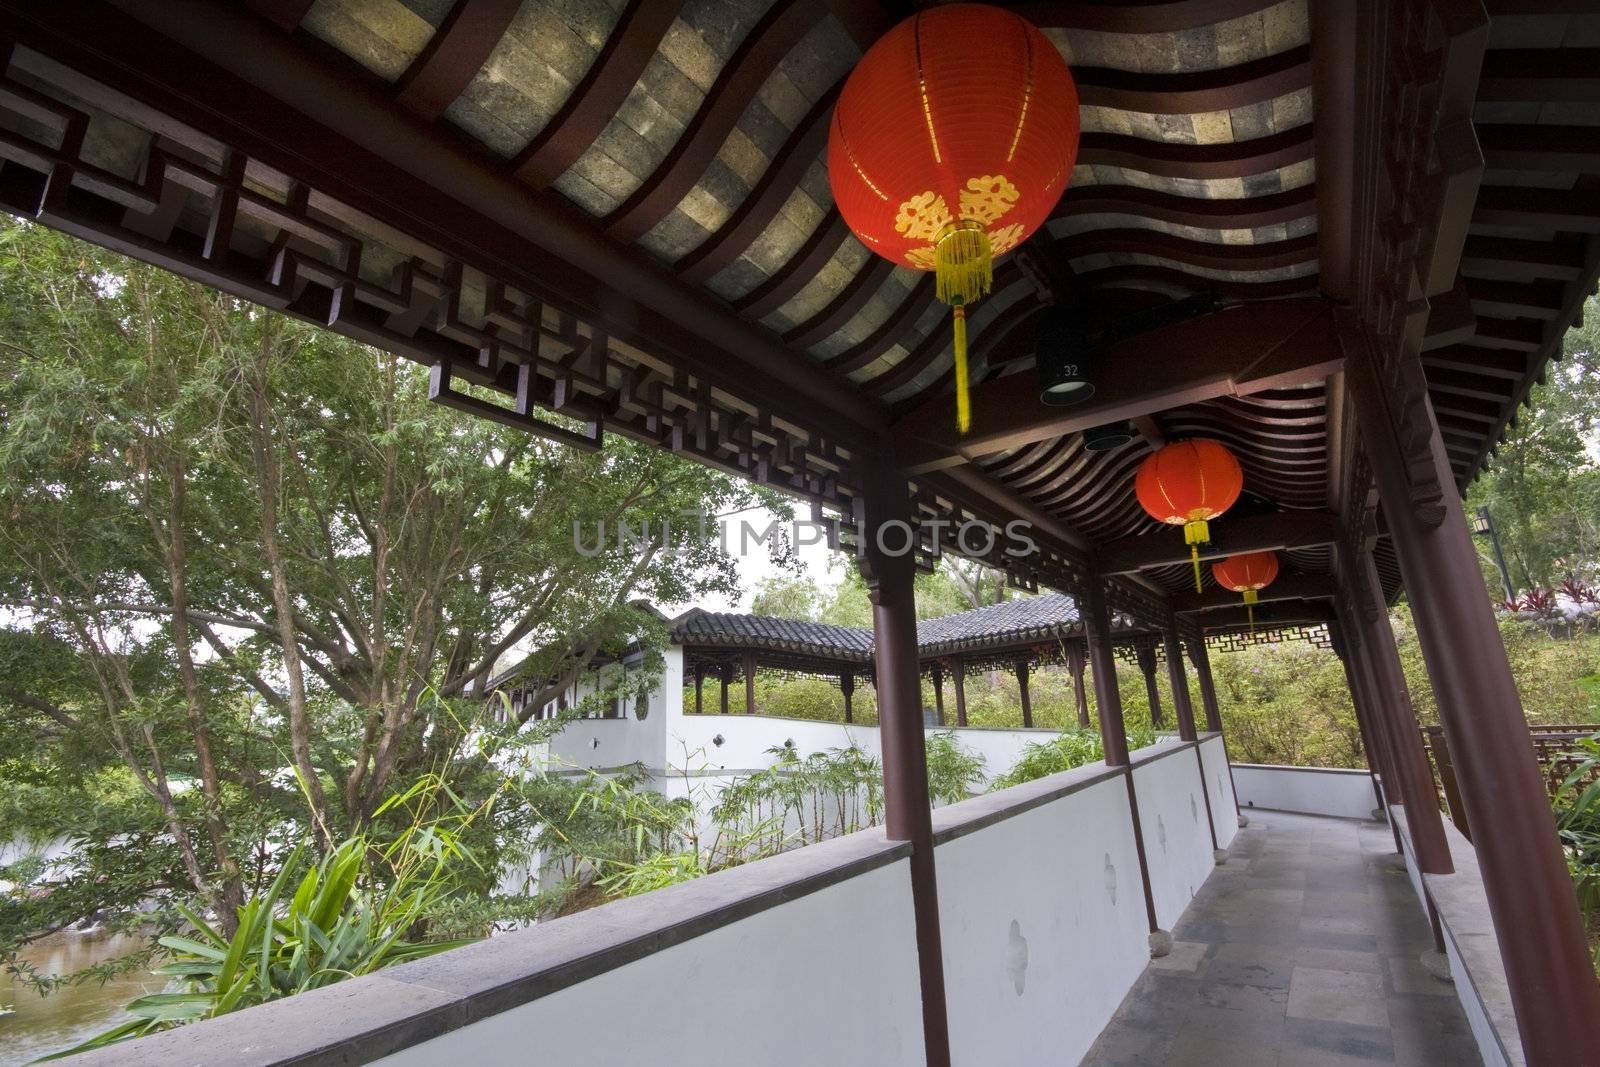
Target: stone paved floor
1302,951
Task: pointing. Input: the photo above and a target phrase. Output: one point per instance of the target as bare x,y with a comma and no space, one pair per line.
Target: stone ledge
365,1019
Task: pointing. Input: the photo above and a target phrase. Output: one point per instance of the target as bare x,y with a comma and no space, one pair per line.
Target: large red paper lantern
1247,573
952,141
1189,483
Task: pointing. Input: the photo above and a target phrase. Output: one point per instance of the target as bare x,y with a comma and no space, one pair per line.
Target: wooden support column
847,685
1113,734
1075,668
1341,648
1414,778
1346,642
885,517
1201,658
1022,689
1144,651
699,688
726,677
961,691
1182,705
1548,968
749,683
936,675
1183,711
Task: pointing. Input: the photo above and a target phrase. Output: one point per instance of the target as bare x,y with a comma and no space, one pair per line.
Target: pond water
42,1025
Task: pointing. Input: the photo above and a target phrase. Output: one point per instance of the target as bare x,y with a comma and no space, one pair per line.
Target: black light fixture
1065,349
1066,365
1105,438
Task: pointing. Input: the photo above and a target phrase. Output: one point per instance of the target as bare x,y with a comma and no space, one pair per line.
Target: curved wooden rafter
1233,159
1153,16
569,133
1193,92
1221,214
453,56
843,307
772,38
793,276
776,185
1265,256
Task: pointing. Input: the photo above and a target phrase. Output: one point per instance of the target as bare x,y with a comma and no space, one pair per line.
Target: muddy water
41,1025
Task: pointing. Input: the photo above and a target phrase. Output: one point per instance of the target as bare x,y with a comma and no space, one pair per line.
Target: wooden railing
1552,747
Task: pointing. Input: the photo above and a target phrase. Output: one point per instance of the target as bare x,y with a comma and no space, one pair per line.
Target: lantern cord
1196,533
963,398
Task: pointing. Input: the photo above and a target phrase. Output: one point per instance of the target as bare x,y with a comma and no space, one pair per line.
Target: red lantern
1247,573
1189,483
952,141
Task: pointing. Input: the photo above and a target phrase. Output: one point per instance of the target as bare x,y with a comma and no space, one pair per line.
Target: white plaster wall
1346,794
1177,843
1044,928
830,978
1224,816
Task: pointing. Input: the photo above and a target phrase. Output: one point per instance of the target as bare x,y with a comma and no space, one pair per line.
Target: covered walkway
1304,949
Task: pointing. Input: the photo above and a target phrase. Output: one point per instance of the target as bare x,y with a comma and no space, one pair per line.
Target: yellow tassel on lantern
963,272
1195,534
1250,600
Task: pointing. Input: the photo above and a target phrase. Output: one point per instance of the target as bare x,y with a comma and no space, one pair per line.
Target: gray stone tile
1185,957
1303,951
1353,997
1269,966
1209,1052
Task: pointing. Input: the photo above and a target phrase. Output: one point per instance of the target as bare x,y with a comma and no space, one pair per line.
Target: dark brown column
1022,689
1075,667
936,675
847,684
1201,658
1113,734
1183,711
889,569
749,683
1182,705
1410,762
699,688
1347,644
726,678
1369,745
961,691
1144,651
1551,977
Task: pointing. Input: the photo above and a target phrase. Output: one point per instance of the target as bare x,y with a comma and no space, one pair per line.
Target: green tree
787,596
1543,483
239,551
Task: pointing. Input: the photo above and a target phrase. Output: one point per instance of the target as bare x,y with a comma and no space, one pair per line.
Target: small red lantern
1247,573
1189,483
951,143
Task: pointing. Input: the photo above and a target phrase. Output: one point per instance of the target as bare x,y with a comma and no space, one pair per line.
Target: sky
754,562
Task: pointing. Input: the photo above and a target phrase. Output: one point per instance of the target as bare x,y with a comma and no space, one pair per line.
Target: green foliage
1577,808
1543,483
350,913
1074,748
953,771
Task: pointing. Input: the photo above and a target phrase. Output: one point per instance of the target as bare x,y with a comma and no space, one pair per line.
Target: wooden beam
1540,74
1287,587
1257,533
1514,146
1234,352
1268,616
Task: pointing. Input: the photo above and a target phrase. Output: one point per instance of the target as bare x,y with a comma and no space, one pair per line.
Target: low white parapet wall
806,958
1344,794
1470,944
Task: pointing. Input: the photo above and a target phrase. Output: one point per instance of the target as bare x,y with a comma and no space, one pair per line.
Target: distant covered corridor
1305,950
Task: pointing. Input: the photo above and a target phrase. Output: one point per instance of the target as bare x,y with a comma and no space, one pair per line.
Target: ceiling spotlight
1066,365
1110,436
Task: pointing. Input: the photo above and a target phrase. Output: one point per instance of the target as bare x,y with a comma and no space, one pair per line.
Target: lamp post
1483,526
